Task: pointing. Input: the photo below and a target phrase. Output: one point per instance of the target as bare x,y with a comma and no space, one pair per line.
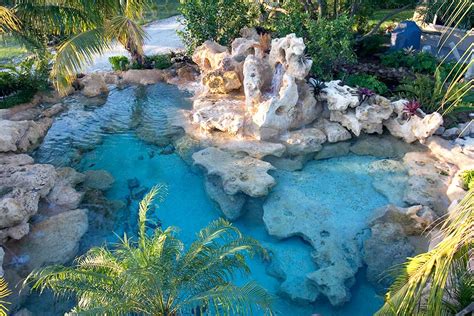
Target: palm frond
74,53
127,32
230,299
8,21
4,293
426,276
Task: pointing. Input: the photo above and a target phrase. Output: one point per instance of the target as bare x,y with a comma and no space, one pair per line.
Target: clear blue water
111,137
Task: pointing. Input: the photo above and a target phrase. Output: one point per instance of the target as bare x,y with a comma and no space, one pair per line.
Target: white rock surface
304,141
238,174
339,97
22,136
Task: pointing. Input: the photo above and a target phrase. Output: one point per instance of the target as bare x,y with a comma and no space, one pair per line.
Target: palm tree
438,282
84,28
156,275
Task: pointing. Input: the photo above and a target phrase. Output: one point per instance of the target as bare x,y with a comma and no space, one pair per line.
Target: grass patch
161,9
379,15
10,49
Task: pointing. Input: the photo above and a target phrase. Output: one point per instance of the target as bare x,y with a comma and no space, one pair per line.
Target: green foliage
157,275
468,179
330,44
294,21
119,63
218,20
367,81
418,62
19,83
425,281
371,45
434,95
159,61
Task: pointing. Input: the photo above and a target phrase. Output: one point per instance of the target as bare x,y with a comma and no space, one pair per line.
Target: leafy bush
468,179
419,62
330,44
19,83
119,63
218,20
371,45
430,92
159,61
367,81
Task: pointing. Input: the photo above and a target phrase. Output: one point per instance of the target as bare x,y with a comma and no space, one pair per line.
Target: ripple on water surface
107,138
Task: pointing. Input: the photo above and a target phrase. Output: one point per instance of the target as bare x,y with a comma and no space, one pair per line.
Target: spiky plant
4,293
426,282
156,275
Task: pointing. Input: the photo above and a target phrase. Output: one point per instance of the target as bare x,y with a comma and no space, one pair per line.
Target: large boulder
333,130
63,194
339,97
428,181
230,205
415,128
39,178
94,85
395,235
224,115
22,136
304,141
210,55
238,173
98,180
54,240
221,82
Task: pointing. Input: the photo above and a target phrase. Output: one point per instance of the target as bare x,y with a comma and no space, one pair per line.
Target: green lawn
161,9
10,49
378,15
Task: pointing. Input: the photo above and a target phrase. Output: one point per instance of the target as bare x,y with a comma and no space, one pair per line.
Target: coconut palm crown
156,275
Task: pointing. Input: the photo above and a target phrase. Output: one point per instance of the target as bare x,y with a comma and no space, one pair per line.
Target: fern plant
4,293
156,275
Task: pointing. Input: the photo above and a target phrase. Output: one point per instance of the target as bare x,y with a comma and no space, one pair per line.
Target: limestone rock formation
22,136
253,148
238,174
333,130
395,236
339,97
221,82
428,181
98,179
63,194
223,115
230,205
415,128
304,141
93,85
289,212
54,240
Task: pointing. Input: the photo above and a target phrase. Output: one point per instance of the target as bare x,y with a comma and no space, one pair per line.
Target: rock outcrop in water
255,97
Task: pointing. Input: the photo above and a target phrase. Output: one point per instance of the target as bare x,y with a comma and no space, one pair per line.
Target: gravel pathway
162,38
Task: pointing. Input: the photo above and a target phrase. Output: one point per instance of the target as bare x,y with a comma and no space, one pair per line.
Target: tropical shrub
371,45
468,179
434,95
438,282
19,83
157,275
418,62
218,20
119,63
366,81
159,61
330,44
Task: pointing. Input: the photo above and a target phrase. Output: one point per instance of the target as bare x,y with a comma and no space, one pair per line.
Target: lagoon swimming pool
131,137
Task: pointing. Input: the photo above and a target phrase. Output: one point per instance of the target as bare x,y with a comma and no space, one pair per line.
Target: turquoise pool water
117,137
